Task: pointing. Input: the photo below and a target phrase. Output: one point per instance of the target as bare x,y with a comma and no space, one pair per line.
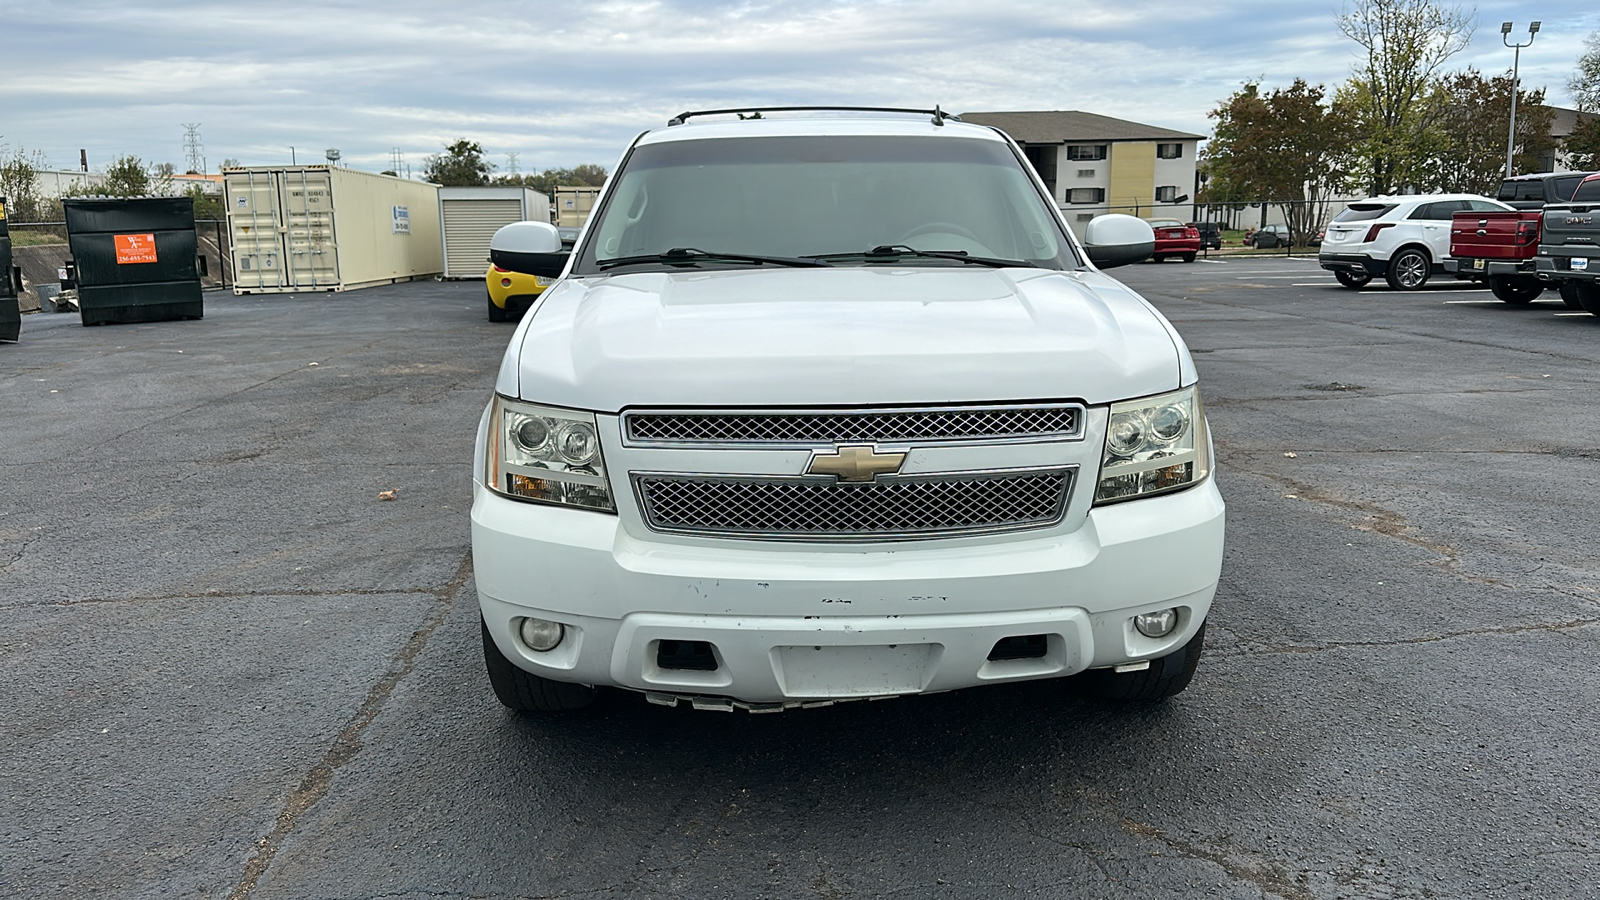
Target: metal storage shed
320,228
471,216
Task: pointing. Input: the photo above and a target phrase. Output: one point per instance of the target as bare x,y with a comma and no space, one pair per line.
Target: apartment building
1096,164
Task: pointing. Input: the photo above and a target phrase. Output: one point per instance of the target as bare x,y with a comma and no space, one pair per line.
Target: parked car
1210,234
511,294
829,406
1270,236
1404,238
1541,188
1569,246
1173,238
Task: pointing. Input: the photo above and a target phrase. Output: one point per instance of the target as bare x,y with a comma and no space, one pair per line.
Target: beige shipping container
573,204
320,228
470,217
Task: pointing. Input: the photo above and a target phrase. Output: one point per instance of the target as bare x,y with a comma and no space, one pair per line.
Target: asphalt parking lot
232,671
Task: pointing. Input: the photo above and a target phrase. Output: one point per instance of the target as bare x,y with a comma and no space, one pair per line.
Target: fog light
1154,625
541,635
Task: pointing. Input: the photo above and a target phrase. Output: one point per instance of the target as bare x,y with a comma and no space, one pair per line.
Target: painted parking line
1475,301
1573,314
1428,292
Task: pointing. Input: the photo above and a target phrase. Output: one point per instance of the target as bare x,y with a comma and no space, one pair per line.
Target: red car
1173,238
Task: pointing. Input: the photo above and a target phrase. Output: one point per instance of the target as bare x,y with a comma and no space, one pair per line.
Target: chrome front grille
931,425
779,507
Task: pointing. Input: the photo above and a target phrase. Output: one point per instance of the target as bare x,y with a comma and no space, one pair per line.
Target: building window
1166,193
1043,160
1085,173
1169,151
1086,195
1086,151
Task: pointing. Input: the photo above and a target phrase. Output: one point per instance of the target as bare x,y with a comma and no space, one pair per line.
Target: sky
563,83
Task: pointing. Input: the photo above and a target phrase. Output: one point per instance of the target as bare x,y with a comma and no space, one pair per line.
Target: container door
468,227
310,245
255,226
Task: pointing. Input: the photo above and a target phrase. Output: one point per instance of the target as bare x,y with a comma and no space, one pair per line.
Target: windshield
848,198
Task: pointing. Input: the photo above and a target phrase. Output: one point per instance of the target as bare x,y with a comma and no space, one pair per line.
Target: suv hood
847,336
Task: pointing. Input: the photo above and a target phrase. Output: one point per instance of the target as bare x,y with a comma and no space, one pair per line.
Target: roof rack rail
939,115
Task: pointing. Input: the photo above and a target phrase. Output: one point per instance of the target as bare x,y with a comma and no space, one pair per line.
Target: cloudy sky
561,83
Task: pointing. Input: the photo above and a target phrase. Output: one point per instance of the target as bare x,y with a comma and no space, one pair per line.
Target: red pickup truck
1498,247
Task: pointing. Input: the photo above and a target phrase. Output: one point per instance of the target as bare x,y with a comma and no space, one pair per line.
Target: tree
460,165
1469,147
1582,145
1584,85
19,184
547,181
127,177
1406,43
1288,147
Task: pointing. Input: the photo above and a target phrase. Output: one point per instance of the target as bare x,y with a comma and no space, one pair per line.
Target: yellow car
512,293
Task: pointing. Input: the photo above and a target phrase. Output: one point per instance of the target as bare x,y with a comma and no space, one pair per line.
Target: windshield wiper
887,252
689,256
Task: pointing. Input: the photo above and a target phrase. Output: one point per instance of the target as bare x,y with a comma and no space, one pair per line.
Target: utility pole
511,163
193,148
1516,63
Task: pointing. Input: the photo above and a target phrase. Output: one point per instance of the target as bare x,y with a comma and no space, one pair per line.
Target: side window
1565,186
1483,206
1508,191
1423,211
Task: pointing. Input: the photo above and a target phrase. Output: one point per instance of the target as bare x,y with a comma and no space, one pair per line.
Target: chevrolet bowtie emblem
855,462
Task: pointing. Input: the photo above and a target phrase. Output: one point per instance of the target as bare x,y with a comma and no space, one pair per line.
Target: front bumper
803,623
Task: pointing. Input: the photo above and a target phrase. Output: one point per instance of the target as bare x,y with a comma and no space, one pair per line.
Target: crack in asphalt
1269,878
1379,520
246,595
21,551
347,744
1286,649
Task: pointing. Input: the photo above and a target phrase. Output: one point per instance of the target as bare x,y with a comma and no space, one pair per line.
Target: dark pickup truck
1534,191
1569,246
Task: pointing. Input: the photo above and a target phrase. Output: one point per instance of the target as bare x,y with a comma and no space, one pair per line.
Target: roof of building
1070,126
1562,122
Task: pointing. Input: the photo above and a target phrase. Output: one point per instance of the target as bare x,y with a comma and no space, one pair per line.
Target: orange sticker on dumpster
135,248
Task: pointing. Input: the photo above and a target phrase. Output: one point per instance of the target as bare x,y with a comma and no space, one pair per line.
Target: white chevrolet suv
830,406
1404,239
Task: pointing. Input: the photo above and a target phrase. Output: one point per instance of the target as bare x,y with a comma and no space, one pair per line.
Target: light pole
1516,63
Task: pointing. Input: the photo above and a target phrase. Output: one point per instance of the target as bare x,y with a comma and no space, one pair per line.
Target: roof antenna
938,115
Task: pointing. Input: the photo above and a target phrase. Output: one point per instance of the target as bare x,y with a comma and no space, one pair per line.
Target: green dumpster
10,316
135,258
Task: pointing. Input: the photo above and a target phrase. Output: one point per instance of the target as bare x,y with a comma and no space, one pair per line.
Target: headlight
1154,445
546,455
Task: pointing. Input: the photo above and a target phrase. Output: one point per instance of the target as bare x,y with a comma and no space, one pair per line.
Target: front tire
1409,269
525,692
1516,290
1167,676
1352,280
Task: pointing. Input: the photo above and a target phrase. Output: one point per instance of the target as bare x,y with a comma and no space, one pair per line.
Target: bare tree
1405,45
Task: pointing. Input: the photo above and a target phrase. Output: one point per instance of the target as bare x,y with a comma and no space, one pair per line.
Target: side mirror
532,248
1117,240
